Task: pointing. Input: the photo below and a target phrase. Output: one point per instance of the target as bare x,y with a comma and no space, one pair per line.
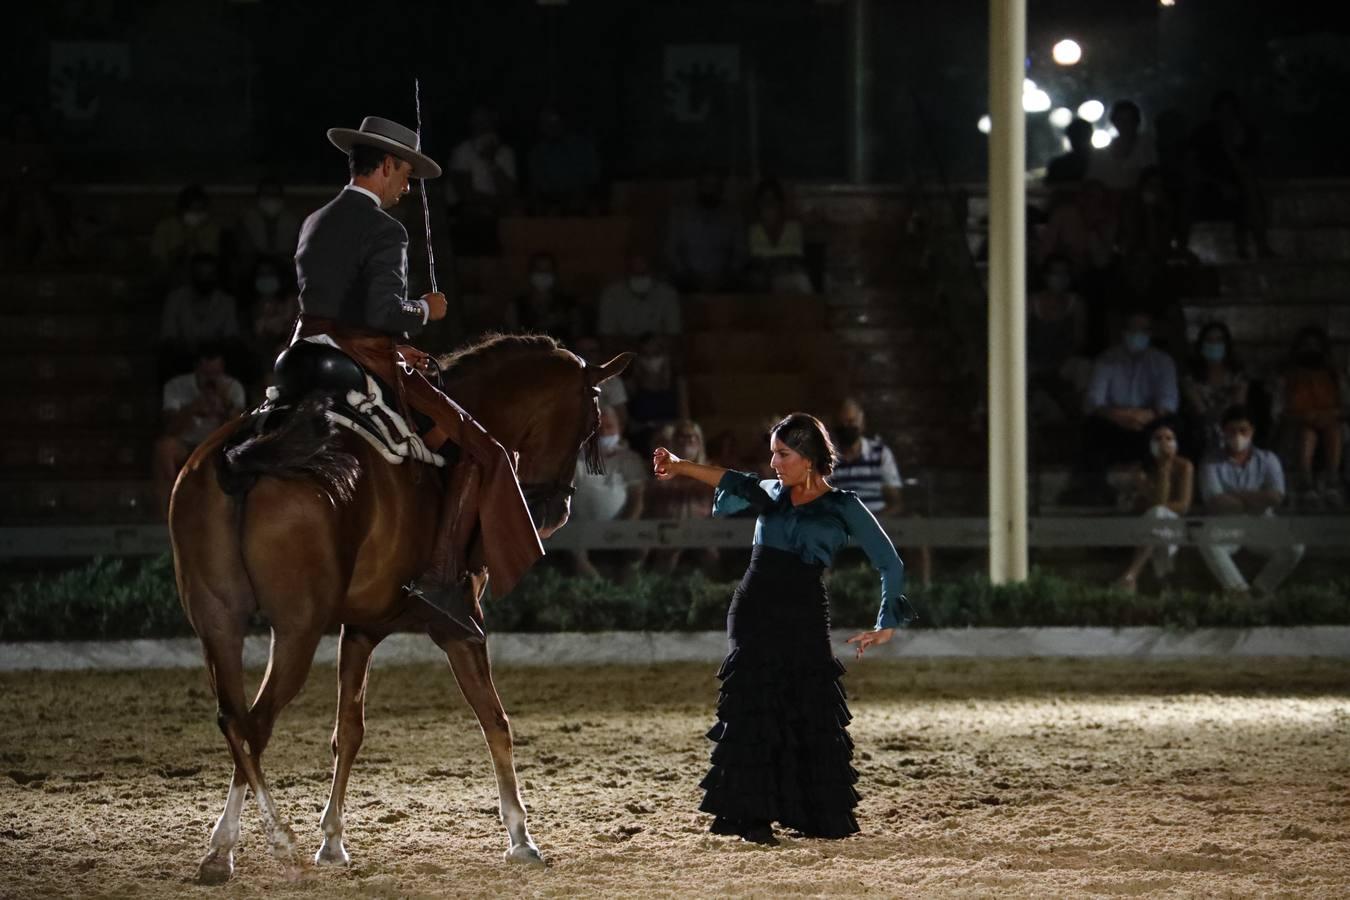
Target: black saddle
309,367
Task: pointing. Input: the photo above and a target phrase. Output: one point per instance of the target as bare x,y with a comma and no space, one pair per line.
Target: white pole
1007,293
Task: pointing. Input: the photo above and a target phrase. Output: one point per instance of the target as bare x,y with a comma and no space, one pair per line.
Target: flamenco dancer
783,751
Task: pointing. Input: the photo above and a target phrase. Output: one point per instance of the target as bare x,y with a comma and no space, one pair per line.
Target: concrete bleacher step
75,453
1309,204
755,395
564,237
77,502
753,312
70,330
41,371
1281,280
1269,323
1213,242
79,406
63,292
737,351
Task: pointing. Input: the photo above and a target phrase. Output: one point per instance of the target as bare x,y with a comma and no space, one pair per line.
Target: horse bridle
546,493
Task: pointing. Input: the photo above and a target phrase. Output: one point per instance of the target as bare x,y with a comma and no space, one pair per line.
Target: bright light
985,124
1066,52
1061,117
1092,110
1028,85
1167,2
1101,139
1037,101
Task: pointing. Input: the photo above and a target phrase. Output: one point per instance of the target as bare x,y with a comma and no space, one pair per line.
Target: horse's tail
304,445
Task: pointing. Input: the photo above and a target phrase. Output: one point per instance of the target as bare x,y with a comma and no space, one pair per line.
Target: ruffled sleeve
739,491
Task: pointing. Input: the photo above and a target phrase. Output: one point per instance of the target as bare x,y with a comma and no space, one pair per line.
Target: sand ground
1024,778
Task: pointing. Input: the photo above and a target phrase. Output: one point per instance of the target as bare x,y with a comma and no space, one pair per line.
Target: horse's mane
494,350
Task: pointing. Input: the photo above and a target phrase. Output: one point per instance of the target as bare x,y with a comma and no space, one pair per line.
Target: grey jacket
352,265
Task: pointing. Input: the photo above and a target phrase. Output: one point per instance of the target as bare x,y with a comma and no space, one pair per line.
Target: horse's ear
600,374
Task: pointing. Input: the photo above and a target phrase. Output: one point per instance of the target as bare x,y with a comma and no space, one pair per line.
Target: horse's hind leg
469,662
224,662
354,654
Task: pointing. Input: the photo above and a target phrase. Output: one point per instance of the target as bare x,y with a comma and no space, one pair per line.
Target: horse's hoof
215,868
284,843
525,853
332,853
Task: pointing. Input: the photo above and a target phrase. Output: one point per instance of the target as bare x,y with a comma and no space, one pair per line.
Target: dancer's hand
664,463
865,639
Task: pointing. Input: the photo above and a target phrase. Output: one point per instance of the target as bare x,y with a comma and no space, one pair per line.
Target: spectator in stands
31,225
564,170
613,391
682,499
1243,479
542,307
658,393
1148,227
190,232
1132,386
195,405
1214,382
1070,168
1165,490
639,304
705,246
866,465
1124,160
618,494
482,186
273,308
1057,363
1083,230
268,228
776,245
197,312
1309,408
1224,181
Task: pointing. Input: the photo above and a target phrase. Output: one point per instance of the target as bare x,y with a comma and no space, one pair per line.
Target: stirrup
451,601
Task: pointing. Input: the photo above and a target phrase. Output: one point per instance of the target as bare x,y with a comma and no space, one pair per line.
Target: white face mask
542,281
1159,447
1240,442
640,284
608,442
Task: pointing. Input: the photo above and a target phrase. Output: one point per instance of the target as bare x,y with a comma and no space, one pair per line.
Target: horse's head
541,401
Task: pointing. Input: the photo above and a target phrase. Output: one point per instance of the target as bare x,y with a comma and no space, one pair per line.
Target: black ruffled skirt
783,752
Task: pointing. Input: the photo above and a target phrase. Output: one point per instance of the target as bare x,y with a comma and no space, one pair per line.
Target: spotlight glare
1101,139
1061,117
985,124
1037,101
1066,52
1091,110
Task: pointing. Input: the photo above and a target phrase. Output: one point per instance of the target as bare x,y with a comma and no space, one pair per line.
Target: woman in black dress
783,752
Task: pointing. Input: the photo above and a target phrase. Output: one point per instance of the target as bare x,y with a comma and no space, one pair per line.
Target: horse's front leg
469,662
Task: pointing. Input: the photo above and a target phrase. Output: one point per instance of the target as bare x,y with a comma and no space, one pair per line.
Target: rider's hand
867,639
436,303
664,463
415,358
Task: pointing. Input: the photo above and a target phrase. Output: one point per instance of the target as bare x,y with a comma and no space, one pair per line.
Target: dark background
224,91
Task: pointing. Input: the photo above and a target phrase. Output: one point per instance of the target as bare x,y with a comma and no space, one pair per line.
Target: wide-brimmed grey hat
390,136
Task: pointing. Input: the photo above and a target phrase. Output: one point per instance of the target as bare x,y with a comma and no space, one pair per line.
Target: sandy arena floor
1032,778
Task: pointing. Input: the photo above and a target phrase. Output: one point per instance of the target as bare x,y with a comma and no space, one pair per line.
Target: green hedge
110,598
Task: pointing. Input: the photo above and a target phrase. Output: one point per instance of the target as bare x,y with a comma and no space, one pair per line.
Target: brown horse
318,530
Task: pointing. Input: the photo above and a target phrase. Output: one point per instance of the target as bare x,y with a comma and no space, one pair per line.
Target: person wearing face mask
619,493
186,233
1214,381
783,749
481,187
658,392
639,304
705,241
1132,386
542,308
275,306
564,170
1243,479
1165,490
196,313
776,244
268,228
1309,409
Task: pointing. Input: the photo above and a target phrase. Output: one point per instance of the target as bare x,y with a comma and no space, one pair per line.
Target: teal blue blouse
817,530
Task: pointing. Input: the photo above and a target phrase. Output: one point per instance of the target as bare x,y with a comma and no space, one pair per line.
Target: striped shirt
873,470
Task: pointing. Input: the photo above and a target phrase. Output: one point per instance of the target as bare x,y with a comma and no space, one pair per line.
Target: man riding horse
352,270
